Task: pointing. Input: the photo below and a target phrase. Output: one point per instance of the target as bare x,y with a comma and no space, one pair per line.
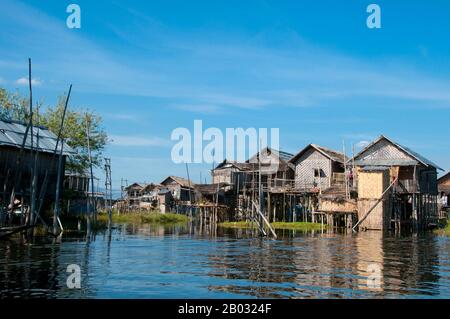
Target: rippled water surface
149,261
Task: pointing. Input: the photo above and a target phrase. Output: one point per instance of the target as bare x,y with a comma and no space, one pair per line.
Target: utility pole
121,189
128,199
88,124
108,188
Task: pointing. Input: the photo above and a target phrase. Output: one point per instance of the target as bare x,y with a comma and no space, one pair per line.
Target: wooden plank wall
305,166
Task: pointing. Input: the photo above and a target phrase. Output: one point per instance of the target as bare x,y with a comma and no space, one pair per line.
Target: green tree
13,106
76,123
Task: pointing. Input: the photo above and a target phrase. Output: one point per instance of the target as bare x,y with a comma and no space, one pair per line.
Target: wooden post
33,179
414,209
345,171
93,215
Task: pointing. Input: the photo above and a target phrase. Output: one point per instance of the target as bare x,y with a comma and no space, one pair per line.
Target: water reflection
186,261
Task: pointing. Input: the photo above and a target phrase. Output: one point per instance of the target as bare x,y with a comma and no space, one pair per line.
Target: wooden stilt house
403,180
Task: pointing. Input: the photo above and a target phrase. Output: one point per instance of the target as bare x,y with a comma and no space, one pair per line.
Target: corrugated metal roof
444,177
331,154
419,157
179,180
386,162
407,150
12,134
374,168
283,156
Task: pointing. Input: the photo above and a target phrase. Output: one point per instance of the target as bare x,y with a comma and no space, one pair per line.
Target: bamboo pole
57,208
45,182
33,181
265,221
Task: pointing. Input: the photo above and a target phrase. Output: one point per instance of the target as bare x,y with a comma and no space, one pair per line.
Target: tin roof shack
230,173
76,182
276,172
211,193
164,200
149,196
413,183
277,176
317,167
134,195
12,134
181,188
76,187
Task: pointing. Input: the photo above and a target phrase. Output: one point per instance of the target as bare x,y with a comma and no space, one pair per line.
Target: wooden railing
291,184
338,179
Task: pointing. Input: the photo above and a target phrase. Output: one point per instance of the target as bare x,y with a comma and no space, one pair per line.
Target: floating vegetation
146,218
277,225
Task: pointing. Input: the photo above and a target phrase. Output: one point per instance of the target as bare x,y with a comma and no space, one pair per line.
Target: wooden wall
428,181
383,150
371,185
444,184
305,166
8,165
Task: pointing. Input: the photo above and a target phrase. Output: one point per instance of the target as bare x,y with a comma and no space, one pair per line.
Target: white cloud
122,116
362,144
24,81
199,108
123,140
242,73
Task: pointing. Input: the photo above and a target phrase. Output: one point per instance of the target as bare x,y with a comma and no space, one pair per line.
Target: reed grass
145,218
445,231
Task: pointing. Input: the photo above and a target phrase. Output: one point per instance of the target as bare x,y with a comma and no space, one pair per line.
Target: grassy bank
298,226
276,225
145,217
444,231
237,225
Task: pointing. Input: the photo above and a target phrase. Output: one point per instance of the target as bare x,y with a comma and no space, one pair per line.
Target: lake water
149,261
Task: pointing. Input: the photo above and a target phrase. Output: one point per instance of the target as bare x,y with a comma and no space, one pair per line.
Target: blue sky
311,68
